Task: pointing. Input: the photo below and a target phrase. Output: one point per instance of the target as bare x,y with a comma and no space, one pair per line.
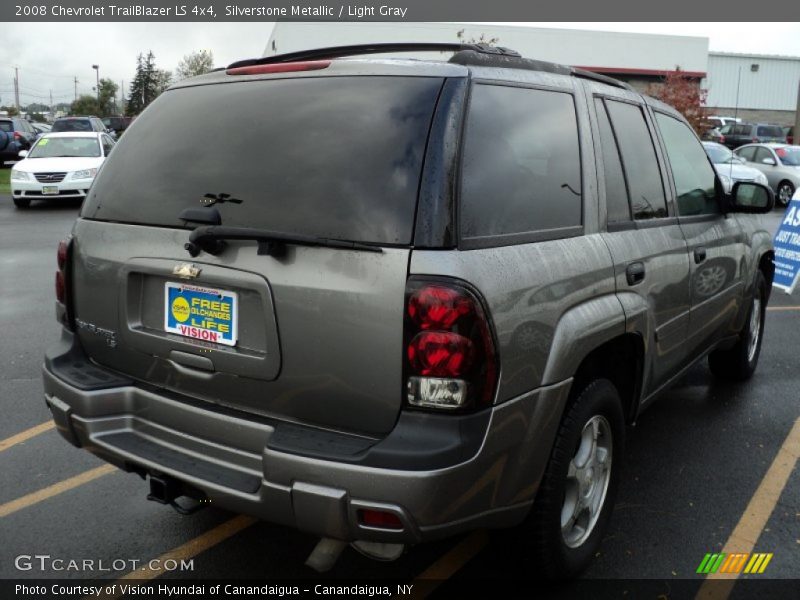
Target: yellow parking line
54,490
783,308
755,517
25,435
448,564
190,549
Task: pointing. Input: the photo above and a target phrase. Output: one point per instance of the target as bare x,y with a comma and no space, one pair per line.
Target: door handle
635,273
699,254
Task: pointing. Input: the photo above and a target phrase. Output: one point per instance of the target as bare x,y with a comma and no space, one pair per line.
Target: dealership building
757,87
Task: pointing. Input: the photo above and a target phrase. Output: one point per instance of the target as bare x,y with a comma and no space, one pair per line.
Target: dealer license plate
49,190
201,313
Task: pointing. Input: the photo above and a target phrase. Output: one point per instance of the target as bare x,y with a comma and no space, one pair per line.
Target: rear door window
521,168
6,126
762,154
617,202
747,153
639,157
333,157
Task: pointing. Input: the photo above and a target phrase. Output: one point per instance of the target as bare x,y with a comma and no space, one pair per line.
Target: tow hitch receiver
166,490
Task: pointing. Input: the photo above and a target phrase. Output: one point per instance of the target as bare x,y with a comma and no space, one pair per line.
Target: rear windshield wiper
270,243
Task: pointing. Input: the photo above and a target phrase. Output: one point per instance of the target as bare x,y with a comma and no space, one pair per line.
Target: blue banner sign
787,248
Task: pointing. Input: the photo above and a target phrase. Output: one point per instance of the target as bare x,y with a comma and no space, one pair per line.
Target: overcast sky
49,55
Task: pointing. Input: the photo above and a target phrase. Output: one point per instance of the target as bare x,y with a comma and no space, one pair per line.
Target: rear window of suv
769,131
334,157
6,126
71,125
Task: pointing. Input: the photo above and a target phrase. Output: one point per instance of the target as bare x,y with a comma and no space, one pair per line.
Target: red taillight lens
61,254
61,287
440,354
379,518
437,307
62,283
17,135
287,67
722,139
450,360
755,139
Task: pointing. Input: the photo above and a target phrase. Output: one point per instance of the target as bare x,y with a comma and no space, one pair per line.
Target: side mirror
749,197
23,153
768,161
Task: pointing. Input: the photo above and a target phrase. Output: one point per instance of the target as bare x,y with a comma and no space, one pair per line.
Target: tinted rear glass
769,131
6,126
335,157
72,125
522,167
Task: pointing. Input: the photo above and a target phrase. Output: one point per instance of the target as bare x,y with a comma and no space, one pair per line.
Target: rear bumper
318,483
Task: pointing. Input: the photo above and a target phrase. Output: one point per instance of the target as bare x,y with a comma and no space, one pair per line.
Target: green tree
11,110
195,64
85,105
145,84
489,41
163,79
108,91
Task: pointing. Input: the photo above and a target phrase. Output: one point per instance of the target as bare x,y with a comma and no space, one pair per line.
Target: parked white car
730,167
59,165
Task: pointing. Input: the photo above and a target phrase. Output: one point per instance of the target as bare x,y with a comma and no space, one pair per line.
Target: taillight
62,282
287,67
722,139
755,139
17,135
450,361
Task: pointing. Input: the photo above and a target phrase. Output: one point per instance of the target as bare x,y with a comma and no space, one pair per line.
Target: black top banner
396,10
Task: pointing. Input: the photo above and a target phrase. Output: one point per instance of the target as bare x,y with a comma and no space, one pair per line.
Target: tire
22,202
740,362
784,193
556,547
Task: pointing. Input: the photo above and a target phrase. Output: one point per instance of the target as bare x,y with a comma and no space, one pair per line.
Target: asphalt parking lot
697,477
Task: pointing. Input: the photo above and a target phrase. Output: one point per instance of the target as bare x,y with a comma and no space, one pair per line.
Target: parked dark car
789,133
79,124
15,134
117,124
739,134
400,300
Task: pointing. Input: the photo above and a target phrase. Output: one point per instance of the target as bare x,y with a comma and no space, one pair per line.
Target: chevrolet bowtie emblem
186,271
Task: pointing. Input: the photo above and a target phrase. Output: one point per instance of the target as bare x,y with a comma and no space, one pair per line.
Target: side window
747,153
726,130
639,157
617,203
762,153
521,167
693,175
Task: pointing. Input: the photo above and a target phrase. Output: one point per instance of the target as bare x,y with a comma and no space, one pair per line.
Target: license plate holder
201,313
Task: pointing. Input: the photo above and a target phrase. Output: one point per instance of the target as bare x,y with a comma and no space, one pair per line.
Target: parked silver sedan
779,162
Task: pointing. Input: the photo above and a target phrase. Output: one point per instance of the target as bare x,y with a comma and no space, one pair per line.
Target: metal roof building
767,85
760,86
635,57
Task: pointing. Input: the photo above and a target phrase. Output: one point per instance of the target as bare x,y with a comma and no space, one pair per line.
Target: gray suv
400,299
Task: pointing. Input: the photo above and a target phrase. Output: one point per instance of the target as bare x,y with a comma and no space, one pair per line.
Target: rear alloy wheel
740,362
785,193
576,495
22,202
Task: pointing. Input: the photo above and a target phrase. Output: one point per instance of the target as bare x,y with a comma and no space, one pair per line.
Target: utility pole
76,87
16,87
122,97
51,105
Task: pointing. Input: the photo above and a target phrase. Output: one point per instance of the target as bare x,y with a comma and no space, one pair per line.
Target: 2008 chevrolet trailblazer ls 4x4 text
400,299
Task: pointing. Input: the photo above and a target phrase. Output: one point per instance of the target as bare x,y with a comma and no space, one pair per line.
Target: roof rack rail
465,54
584,74
362,49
